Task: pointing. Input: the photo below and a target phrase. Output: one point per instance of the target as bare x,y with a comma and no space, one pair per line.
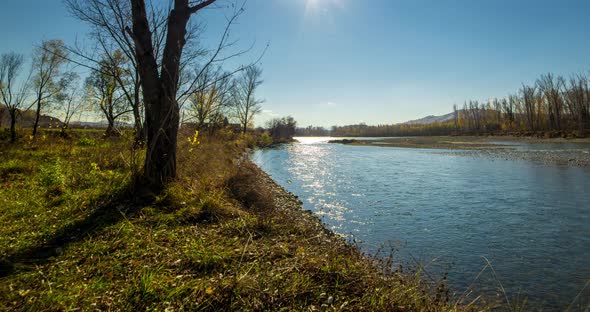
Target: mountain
430,120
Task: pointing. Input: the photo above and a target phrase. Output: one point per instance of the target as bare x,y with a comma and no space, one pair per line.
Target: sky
337,62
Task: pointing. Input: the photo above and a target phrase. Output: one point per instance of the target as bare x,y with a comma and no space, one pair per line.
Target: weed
84,141
52,177
223,236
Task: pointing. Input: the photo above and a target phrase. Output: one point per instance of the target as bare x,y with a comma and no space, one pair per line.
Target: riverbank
224,236
559,151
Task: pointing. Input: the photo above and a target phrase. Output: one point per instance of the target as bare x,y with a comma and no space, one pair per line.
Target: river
452,214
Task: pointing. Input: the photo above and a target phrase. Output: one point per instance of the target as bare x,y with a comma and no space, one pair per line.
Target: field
75,233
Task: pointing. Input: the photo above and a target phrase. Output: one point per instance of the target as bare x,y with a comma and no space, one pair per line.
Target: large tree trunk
13,126
110,128
162,135
139,131
37,116
160,86
245,125
159,92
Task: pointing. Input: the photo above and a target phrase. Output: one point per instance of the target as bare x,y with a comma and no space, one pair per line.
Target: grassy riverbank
75,234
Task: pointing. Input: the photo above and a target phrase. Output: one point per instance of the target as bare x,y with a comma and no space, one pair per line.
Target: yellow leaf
209,291
24,292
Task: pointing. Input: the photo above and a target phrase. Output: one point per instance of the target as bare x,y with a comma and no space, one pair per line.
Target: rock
343,141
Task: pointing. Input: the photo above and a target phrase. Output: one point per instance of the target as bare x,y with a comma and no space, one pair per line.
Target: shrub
84,141
11,167
245,188
248,140
265,139
52,176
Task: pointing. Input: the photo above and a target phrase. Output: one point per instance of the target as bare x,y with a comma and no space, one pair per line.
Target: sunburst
320,6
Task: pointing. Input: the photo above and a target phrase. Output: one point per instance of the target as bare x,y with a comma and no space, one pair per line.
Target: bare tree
210,97
550,88
111,22
282,129
104,93
160,84
509,109
47,62
244,100
108,20
529,104
160,41
68,100
13,92
577,99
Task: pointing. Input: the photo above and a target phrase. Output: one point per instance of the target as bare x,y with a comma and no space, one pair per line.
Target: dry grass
222,237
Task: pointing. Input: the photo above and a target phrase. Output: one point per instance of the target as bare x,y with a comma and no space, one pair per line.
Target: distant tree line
363,130
312,131
552,106
282,129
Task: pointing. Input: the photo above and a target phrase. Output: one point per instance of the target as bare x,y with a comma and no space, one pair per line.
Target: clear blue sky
375,61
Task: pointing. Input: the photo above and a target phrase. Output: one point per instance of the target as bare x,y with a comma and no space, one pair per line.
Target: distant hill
430,120
98,124
27,119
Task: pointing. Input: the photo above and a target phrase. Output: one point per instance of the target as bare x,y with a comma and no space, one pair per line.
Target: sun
318,6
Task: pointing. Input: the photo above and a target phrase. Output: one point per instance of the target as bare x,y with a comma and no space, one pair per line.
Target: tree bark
162,113
110,128
139,129
13,126
37,116
161,109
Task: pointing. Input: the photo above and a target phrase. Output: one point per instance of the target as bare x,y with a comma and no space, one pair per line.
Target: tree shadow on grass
121,206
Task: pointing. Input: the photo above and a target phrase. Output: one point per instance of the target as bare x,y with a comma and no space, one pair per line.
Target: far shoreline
575,151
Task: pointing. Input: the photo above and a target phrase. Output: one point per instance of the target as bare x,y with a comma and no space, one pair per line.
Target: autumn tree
550,88
68,101
577,100
13,87
160,83
245,103
48,60
104,93
160,41
210,97
108,20
455,116
282,129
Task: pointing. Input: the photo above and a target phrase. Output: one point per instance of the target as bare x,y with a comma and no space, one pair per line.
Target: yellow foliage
194,141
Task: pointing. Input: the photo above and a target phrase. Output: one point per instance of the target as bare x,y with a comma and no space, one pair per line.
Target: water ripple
531,220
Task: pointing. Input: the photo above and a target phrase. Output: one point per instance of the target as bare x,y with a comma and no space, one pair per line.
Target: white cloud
329,104
269,112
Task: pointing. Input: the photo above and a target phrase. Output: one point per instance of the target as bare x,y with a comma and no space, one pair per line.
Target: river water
452,214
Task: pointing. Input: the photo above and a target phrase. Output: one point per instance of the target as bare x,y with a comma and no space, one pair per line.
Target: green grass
74,235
